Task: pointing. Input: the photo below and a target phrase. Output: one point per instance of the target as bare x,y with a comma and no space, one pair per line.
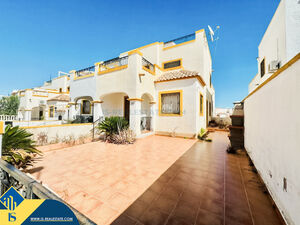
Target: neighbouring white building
272,109
163,88
280,43
48,102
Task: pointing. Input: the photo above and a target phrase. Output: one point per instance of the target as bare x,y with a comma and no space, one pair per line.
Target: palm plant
18,148
112,125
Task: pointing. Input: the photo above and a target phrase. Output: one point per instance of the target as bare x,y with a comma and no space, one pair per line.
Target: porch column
27,116
135,115
98,113
46,113
153,115
72,111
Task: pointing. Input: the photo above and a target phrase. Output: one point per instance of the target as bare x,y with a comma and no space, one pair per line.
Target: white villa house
280,43
163,88
48,102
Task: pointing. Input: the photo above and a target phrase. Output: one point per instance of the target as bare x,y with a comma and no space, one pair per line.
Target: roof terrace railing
180,40
85,71
148,65
113,63
30,188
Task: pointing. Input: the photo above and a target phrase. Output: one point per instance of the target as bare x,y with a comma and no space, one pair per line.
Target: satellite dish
212,33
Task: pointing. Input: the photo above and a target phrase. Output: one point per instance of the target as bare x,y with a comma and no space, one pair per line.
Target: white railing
8,117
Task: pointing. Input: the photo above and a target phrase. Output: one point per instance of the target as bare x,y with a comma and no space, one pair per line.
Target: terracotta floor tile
154,216
207,218
118,201
207,186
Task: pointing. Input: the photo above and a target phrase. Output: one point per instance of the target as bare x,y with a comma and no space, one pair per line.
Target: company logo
33,211
11,199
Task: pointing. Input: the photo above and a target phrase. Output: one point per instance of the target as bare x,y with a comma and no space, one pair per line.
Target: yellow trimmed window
86,107
201,104
172,65
170,103
51,111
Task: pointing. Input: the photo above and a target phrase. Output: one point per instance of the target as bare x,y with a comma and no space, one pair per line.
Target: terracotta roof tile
61,98
179,74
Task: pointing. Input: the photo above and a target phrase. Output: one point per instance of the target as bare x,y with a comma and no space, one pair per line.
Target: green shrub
112,125
17,147
202,134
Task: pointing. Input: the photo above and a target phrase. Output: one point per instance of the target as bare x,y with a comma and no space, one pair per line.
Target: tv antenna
212,33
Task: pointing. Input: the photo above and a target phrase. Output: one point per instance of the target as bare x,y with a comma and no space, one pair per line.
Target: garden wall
36,123
272,136
61,132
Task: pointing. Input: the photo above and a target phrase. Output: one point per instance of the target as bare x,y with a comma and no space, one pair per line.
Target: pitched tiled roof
179,74
60,98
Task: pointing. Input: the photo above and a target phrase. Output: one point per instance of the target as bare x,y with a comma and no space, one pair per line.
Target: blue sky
39,38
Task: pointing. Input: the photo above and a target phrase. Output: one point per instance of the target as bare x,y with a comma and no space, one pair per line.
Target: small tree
9,105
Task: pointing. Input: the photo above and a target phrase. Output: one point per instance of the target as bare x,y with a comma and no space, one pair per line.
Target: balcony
113,65
148,66
86,72
179,41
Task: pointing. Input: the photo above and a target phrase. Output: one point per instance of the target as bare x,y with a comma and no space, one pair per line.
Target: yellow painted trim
199,31
1,127
60,77
173,46
275,74
81,108
173,68
71,103
82,77
22,95
157,66
58,125
135,99
51,106
43,96
72,71
136,51
97,101
146,46
199,78
159,102
201,109
149,71
113,69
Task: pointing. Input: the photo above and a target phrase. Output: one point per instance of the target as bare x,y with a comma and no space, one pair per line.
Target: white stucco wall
281,40
190,122
61,131
292,28
272,138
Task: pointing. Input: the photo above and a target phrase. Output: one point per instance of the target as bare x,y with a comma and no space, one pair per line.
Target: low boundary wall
57,133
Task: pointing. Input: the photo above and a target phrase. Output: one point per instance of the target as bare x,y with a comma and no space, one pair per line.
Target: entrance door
41,115
126,108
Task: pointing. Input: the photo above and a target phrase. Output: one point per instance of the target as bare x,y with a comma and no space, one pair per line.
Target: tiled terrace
206,186
101,180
